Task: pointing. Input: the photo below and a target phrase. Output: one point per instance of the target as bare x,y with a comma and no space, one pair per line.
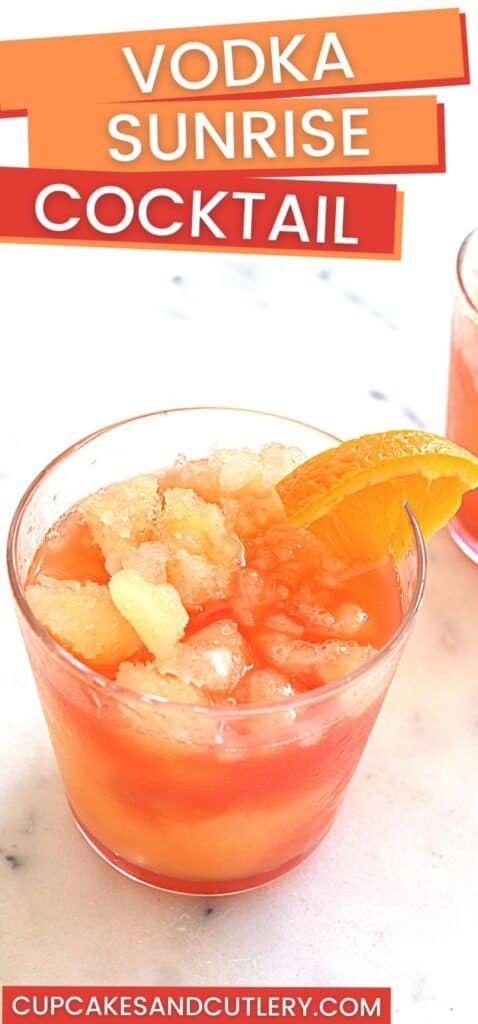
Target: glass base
183,886
464,539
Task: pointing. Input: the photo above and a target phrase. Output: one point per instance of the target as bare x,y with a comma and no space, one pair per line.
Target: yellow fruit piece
252,514
191,524
147,679
240,469
352,496
83,618
122,515
197,580
148,560
215,657
237,469
197,476
154,610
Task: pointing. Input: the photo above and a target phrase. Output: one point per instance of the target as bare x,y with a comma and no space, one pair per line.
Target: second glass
462,424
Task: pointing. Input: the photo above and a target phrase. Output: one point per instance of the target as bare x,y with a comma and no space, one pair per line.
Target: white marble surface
391,897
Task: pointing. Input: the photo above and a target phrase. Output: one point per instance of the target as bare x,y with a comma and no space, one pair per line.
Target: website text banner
302,57
64,1005
182,211
379,134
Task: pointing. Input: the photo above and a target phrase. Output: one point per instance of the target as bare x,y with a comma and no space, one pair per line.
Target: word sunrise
164,212
241,134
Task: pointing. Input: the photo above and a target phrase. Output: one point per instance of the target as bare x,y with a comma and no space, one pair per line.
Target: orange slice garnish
352,497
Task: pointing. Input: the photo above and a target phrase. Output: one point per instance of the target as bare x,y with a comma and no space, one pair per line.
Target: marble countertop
94,335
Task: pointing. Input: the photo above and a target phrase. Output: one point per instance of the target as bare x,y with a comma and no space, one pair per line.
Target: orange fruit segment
352,497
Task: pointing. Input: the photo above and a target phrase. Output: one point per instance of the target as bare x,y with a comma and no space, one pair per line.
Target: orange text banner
300,57
342,135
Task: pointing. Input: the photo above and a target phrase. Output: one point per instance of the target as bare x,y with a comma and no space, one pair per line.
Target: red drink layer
206,750
462,424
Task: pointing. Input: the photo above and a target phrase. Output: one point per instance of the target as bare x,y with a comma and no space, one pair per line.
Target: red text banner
186,211
64,1005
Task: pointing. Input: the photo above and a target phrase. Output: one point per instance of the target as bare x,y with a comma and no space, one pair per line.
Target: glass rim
462,252
89,675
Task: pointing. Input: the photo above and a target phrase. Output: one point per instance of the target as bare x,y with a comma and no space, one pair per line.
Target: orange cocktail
210,672
462,425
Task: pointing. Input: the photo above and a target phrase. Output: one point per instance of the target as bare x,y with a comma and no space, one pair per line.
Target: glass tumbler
196,799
